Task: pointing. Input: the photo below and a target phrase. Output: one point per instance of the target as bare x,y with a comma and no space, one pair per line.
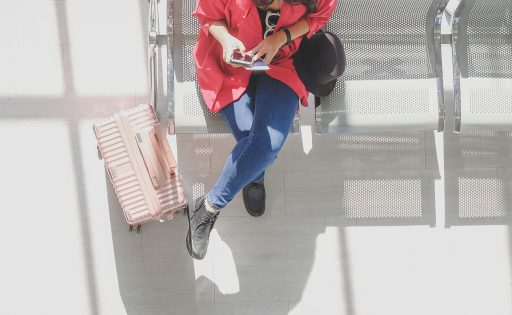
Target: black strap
288,36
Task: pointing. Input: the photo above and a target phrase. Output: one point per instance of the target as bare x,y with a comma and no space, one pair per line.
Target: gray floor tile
390,197
248,308
268,280
166,241
274,237
478,149
478,196
321,189
194,154
363,196
163,283
356,152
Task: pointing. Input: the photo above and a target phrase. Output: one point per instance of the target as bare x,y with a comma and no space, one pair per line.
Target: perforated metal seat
187,111
393,78
482,44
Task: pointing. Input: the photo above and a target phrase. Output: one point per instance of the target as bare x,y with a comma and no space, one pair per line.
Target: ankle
209,207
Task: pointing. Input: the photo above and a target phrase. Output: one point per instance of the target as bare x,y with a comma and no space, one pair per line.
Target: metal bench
482,57
393,79
187,111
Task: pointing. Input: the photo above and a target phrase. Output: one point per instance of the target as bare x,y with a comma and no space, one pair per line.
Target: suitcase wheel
130,228
99,153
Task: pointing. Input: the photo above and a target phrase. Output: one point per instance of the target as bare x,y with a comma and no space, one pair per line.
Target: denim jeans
260,121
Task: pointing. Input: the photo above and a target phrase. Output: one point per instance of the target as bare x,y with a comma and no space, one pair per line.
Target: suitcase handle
157,155
149,156
166,157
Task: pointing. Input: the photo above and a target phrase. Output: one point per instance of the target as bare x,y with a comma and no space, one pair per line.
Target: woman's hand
269,47
229,44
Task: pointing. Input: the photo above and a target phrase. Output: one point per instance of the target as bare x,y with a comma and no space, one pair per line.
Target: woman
259,107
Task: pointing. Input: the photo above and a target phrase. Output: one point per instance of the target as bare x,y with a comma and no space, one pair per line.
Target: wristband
288,36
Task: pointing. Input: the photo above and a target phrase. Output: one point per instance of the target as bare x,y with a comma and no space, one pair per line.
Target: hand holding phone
240,58
247,61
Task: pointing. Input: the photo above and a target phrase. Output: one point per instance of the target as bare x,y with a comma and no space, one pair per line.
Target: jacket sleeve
318,19
208,11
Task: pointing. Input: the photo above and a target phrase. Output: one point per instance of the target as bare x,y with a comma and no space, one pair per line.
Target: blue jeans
260,121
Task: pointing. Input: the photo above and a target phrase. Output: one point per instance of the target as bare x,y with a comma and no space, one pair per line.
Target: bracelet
288,36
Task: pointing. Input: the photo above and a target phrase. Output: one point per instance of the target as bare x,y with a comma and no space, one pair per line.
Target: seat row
394,74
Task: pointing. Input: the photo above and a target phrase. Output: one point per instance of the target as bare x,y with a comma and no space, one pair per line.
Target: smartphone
258,65
243,59
248,62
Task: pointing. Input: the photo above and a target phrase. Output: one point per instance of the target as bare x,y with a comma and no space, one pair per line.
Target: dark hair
310,5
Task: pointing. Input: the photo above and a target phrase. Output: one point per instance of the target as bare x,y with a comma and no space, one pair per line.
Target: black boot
254,198
199,227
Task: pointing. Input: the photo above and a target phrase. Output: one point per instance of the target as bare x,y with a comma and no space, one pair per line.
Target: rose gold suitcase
138,158
140,165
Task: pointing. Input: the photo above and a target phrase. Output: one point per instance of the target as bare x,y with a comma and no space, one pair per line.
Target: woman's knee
277,140
269,146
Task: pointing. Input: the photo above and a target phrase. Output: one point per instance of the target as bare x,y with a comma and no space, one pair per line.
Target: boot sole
189,238
254,214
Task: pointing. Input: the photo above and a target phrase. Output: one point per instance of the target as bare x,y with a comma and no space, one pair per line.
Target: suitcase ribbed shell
141,202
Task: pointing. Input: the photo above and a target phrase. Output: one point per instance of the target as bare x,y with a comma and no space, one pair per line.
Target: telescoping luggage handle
155,39
152,52
157,155
153,145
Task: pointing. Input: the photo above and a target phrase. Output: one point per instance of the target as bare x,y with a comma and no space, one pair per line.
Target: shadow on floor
272,264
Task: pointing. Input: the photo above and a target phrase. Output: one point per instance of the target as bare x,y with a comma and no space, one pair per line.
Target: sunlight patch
223,273
324,288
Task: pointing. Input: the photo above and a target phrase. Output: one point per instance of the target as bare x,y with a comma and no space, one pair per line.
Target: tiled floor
357,224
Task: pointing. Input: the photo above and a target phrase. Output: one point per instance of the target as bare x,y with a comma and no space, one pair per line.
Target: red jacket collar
289,12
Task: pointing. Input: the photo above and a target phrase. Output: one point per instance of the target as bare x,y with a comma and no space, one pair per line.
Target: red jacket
222,84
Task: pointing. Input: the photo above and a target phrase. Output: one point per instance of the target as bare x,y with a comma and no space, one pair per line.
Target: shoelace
208,220
256,185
